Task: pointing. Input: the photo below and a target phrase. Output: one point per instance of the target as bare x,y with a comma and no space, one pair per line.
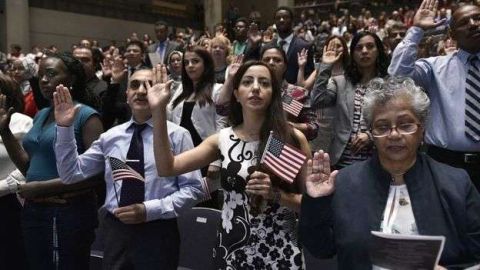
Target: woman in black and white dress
259,210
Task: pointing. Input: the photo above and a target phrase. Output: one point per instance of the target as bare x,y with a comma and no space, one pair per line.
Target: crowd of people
385,108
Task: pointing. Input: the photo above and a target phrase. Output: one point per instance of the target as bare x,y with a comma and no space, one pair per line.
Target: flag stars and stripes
121,171
291,105
282,159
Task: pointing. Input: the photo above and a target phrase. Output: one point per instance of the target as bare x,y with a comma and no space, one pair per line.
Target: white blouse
398,216
20,124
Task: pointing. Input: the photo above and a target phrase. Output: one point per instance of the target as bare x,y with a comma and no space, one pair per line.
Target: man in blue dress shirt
140,222
453,84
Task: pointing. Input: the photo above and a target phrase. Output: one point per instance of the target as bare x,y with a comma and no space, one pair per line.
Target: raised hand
235,65
5,113
254,35
119,71
259,184
330,55
106,67
360,141
425,16
65,110
159,93
320,181
302,57
160,74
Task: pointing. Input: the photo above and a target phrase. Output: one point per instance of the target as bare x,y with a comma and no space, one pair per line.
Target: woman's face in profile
396,116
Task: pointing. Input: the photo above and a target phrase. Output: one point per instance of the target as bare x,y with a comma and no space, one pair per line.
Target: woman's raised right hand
5,113
320,181
330,55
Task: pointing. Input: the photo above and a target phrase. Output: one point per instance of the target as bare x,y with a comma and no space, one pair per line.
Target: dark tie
472,100
132,70
282,43
133,190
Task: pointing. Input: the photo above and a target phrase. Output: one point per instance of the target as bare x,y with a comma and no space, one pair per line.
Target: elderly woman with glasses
398,190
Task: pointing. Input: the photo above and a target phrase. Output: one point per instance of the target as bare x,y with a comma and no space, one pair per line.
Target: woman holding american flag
253,232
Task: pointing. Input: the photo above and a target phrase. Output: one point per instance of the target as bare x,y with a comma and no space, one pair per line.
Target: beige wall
64,29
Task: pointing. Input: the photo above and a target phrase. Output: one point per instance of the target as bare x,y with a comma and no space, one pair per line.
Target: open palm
65,110
320,181
425,16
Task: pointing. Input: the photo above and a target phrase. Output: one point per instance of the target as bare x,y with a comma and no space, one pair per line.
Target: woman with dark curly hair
259,210
351,141
58,221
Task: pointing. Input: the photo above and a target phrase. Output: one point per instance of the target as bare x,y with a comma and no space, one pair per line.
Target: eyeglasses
135,84
386,130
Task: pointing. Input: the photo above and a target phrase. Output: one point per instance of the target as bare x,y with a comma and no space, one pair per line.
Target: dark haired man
291,44
160,50
453,83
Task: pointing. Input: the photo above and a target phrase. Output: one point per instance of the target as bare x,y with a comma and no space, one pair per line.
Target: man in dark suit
160,50
291,44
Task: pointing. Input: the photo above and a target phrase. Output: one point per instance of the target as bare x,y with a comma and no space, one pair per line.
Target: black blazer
444,202
296,47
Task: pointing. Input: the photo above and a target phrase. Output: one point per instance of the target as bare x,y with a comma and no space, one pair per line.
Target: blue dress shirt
443,77
165,197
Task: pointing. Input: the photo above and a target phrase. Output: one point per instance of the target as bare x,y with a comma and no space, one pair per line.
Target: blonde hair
226,44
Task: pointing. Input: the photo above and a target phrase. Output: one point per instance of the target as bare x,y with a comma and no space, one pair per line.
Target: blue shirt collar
130,123
464,56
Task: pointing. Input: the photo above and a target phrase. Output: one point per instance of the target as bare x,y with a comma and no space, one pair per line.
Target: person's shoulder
86,110
352,175
174,129
447,175
151,47
301,43
21,118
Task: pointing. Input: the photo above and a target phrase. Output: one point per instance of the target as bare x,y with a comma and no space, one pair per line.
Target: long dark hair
203,91
381,63
275,119
78,83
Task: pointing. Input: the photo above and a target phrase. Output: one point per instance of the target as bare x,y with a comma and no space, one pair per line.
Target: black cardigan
444,202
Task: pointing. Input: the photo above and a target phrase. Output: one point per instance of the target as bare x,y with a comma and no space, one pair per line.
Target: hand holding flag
282,159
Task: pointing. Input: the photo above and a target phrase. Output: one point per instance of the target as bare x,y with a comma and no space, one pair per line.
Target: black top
186,122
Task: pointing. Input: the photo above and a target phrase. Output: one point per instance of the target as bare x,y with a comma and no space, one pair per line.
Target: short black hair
160,23
287,9
244,20
136,43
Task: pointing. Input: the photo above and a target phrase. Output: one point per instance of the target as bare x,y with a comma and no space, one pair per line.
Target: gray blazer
340,93
152,49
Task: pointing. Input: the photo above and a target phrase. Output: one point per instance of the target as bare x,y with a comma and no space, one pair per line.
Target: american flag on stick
282,159
121,171
291,105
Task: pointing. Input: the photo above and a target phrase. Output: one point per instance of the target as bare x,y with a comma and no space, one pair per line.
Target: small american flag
121,171
291,105
282,159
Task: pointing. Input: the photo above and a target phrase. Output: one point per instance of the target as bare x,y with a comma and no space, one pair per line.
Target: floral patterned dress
264,241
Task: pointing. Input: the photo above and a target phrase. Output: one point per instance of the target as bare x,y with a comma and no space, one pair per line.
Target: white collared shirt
288,41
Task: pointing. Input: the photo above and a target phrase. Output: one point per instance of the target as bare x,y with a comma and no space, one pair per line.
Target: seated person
397,191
